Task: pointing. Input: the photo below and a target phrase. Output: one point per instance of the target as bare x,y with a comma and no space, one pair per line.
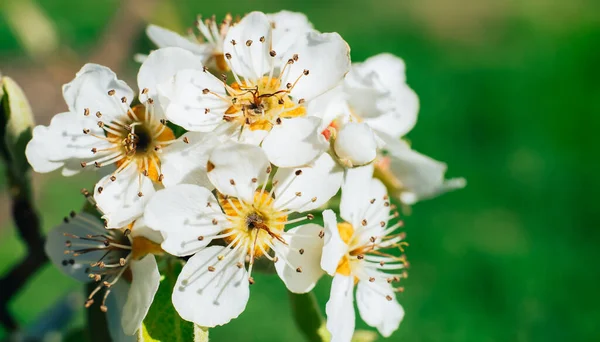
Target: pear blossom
103,130
213,286
120,260
208,43
359,253
266,102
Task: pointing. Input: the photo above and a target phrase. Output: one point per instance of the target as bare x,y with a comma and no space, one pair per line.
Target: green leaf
308,317
162,322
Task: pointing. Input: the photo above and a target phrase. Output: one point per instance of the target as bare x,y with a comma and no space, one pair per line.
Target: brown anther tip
298,172
145,173
161,177
124,99
372,201
301,251
389,298
396,214
205,91
89,303
220,257
301,101
103,308
372,239
233,42
288,85
251,280
100,189
386,204
150,100
200,238
140,194
86,131
83,164
314,199
290,61
163,121
371,279
186,140
280,101
386,197
382,224
122,261
206,110
360,257
364,222
254,180
232,182
211,268
214,221
94,150
275,259
239,265
310,216
278,121
299,194
262,39
111,92
321,234
299,270
272,53
145,91
306,72
228,55
381,263
100,123
86,112
249,42
269,169
98,165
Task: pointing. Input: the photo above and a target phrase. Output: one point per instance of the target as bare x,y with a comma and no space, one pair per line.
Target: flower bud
355,144
16,121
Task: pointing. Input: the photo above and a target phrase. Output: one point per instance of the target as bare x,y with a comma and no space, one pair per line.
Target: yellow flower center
261,105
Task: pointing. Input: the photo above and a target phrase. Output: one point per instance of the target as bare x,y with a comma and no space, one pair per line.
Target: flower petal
377,92
119,200
237,169
326,56
89,90
63,144
211,298
250,53
163,37
355,192
183,213
421,176
295,142
309,187
376,310
115,303
145,280
306,239
334,247
194,100
183,162
81,225
161,65
340,309
355,144
287,28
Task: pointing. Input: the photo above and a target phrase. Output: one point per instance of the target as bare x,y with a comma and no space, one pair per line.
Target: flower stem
308,317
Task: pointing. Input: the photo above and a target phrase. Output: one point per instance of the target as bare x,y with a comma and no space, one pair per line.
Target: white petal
287,28
182,213
145,280
63,144
163,37
115,302
81,225
326,56
90,90
161,65
421,176
251,61
355,191
295,142
376,310
186,162
211,298
305,237
316,184
355,144
340,309
252,137
119,200
237,169
334,247
188,106
329,106
140,228
377,92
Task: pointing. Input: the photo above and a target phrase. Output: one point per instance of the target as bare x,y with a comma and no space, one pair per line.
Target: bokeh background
510,99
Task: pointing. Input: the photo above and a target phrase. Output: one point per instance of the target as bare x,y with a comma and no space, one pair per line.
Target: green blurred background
510,99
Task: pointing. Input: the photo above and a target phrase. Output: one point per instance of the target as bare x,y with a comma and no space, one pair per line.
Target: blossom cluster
236,143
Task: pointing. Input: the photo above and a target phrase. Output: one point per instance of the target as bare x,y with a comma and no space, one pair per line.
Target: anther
97,164
295,57
251,280
214,221
140,194
98,114
301,101
310,216
233,42
94,150
150,100
372,201
389,298
371,279
299,270
278,121
145,91
298,172
314,199
145,173
272,53
269,169
299,194
262,39
163,121
239,265
89,303
111,92
288,85
372,239
205,91
248,42
220,257
186,140
364,222
86,131
306,72
103,308
382,224
254,180
200,238
204,69
232,182
211,268
206,110
83,164
124,99
228,55
161,177
360,257
86,112
100,189
321,234
301,251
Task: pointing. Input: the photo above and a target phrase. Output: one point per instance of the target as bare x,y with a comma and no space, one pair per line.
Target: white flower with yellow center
266,102
251,219
362,251
101,130
208,43
120,261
